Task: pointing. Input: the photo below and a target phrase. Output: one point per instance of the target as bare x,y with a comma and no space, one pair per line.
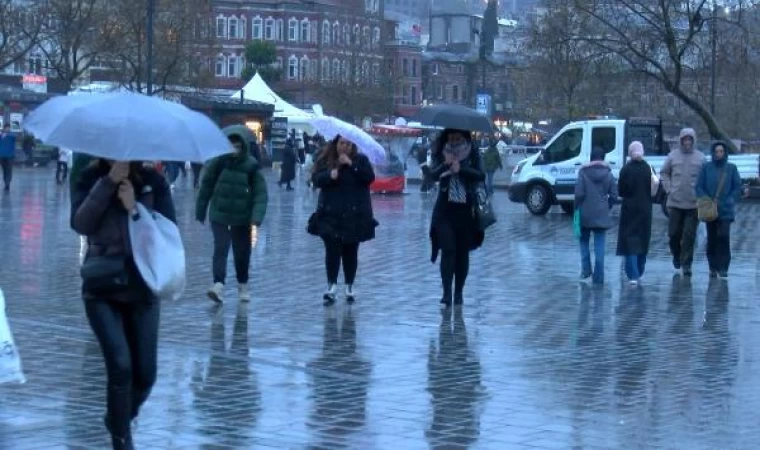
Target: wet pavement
533,360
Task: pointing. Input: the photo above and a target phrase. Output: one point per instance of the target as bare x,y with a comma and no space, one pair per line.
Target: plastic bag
158,253
10,361
701,235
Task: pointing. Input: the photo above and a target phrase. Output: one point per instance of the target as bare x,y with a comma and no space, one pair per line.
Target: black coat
635,230
472,174
344,210
288,169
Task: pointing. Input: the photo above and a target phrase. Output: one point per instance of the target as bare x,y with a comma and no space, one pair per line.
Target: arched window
219,70
325,69
233,28
365,73
293,30
280,30
304,75
346,34
336,33
376,37
269,29
326,30
365,37
257,28
292,67
336,69
221,27
305,30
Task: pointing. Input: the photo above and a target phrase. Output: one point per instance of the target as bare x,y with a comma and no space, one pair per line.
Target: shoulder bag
707,208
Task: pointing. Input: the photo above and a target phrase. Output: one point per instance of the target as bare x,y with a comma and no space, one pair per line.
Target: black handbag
483,210
104,275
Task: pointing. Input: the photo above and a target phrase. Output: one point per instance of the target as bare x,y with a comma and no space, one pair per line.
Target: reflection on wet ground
533,360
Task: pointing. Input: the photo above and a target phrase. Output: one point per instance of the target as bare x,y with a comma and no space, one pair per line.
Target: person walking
595,192
635,230
679,176
288,169
233,194
121,310
720,181
491,163
344,217
196,168
7,155
62,168
456,166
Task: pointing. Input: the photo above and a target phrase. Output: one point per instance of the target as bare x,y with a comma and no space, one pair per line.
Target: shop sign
35,83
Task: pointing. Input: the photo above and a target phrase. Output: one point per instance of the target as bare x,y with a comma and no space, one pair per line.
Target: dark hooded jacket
709,179
634,187
595,191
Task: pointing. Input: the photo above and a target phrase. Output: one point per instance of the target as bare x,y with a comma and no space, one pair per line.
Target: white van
548,177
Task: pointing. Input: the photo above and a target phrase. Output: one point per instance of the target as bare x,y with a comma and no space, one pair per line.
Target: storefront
16,103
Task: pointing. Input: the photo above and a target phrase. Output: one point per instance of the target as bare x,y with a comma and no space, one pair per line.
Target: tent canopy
258,90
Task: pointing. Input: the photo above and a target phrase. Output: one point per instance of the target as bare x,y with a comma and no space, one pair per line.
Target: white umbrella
127,127
329,127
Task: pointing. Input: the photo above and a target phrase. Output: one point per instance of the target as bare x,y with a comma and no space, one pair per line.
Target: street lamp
149,39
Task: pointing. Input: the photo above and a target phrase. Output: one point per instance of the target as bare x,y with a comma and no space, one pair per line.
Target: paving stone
533,359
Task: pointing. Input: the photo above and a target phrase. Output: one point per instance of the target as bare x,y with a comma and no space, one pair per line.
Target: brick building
318,42
404,66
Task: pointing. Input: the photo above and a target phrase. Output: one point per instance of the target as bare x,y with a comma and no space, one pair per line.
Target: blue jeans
599,243
634,266
489,181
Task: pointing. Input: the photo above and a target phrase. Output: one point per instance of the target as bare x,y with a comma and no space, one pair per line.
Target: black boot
446,300
458,298
122,443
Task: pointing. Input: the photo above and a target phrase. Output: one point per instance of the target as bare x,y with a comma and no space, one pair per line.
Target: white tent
258,90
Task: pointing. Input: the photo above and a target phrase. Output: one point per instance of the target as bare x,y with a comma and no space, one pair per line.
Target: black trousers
239,236
128,337
719,245
196,173
454,235
61,172
7,166
682,230
336,252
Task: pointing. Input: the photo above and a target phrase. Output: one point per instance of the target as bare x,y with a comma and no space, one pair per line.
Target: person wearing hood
457,166
679,176
719,180
595,191
635,230
237,194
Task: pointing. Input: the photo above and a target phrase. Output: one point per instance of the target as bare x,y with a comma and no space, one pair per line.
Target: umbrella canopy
127,127
454,116
330,127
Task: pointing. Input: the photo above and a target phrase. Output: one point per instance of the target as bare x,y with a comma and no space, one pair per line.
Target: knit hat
636,150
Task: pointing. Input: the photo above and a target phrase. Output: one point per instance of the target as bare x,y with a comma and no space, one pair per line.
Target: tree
70,37
20,26
490,28
661,39
261,57
183,43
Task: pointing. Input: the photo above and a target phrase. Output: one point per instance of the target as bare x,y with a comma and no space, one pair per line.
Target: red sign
34,79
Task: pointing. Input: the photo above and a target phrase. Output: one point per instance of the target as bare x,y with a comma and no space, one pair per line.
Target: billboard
483,104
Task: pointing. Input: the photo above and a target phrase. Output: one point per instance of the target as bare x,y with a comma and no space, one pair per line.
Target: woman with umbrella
122,311
456,165
344,217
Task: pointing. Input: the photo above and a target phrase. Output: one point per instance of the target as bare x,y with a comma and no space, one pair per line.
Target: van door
562,159
610,139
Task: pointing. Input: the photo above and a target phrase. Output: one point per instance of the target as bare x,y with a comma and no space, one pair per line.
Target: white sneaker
633,282
330,293
350,294
216,292
243,293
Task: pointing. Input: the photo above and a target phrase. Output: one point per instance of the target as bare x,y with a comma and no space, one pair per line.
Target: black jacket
472,174
344,210
635,230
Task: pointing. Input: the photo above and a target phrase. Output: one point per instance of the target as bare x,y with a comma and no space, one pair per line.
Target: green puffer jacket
235,189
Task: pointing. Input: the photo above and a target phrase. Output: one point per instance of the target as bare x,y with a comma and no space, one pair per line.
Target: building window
376,37
243,26
405,95
269,33
346,35
405,67
336,33
336,69
376,73
278,64
455,93
305,30
365,37
232,27
257,28
436,69
414,67
280,30
232,66
304,68
326,33
413,96
221,27
292,68
365,73
357,37
325,69
346,71
313,69
219,66
293,30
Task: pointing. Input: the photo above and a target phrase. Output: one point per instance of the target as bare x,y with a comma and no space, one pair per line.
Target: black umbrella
454,116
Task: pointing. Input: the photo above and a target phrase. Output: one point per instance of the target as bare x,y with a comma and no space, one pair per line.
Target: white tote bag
10,362
158,253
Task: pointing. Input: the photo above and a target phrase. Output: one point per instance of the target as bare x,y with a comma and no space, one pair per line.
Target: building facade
319,42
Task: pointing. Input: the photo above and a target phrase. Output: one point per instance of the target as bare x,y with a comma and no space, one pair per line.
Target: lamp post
713,56
149,42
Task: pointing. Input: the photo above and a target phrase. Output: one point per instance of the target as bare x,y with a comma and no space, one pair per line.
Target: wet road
533,360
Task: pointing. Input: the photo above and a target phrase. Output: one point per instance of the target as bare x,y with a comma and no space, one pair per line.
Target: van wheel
567,208
538,201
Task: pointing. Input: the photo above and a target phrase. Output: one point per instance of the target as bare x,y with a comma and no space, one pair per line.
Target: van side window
566,146
603,137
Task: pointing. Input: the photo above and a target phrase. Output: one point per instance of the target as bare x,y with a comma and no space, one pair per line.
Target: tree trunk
712,125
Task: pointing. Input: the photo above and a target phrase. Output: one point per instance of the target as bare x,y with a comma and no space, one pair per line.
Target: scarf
457,189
